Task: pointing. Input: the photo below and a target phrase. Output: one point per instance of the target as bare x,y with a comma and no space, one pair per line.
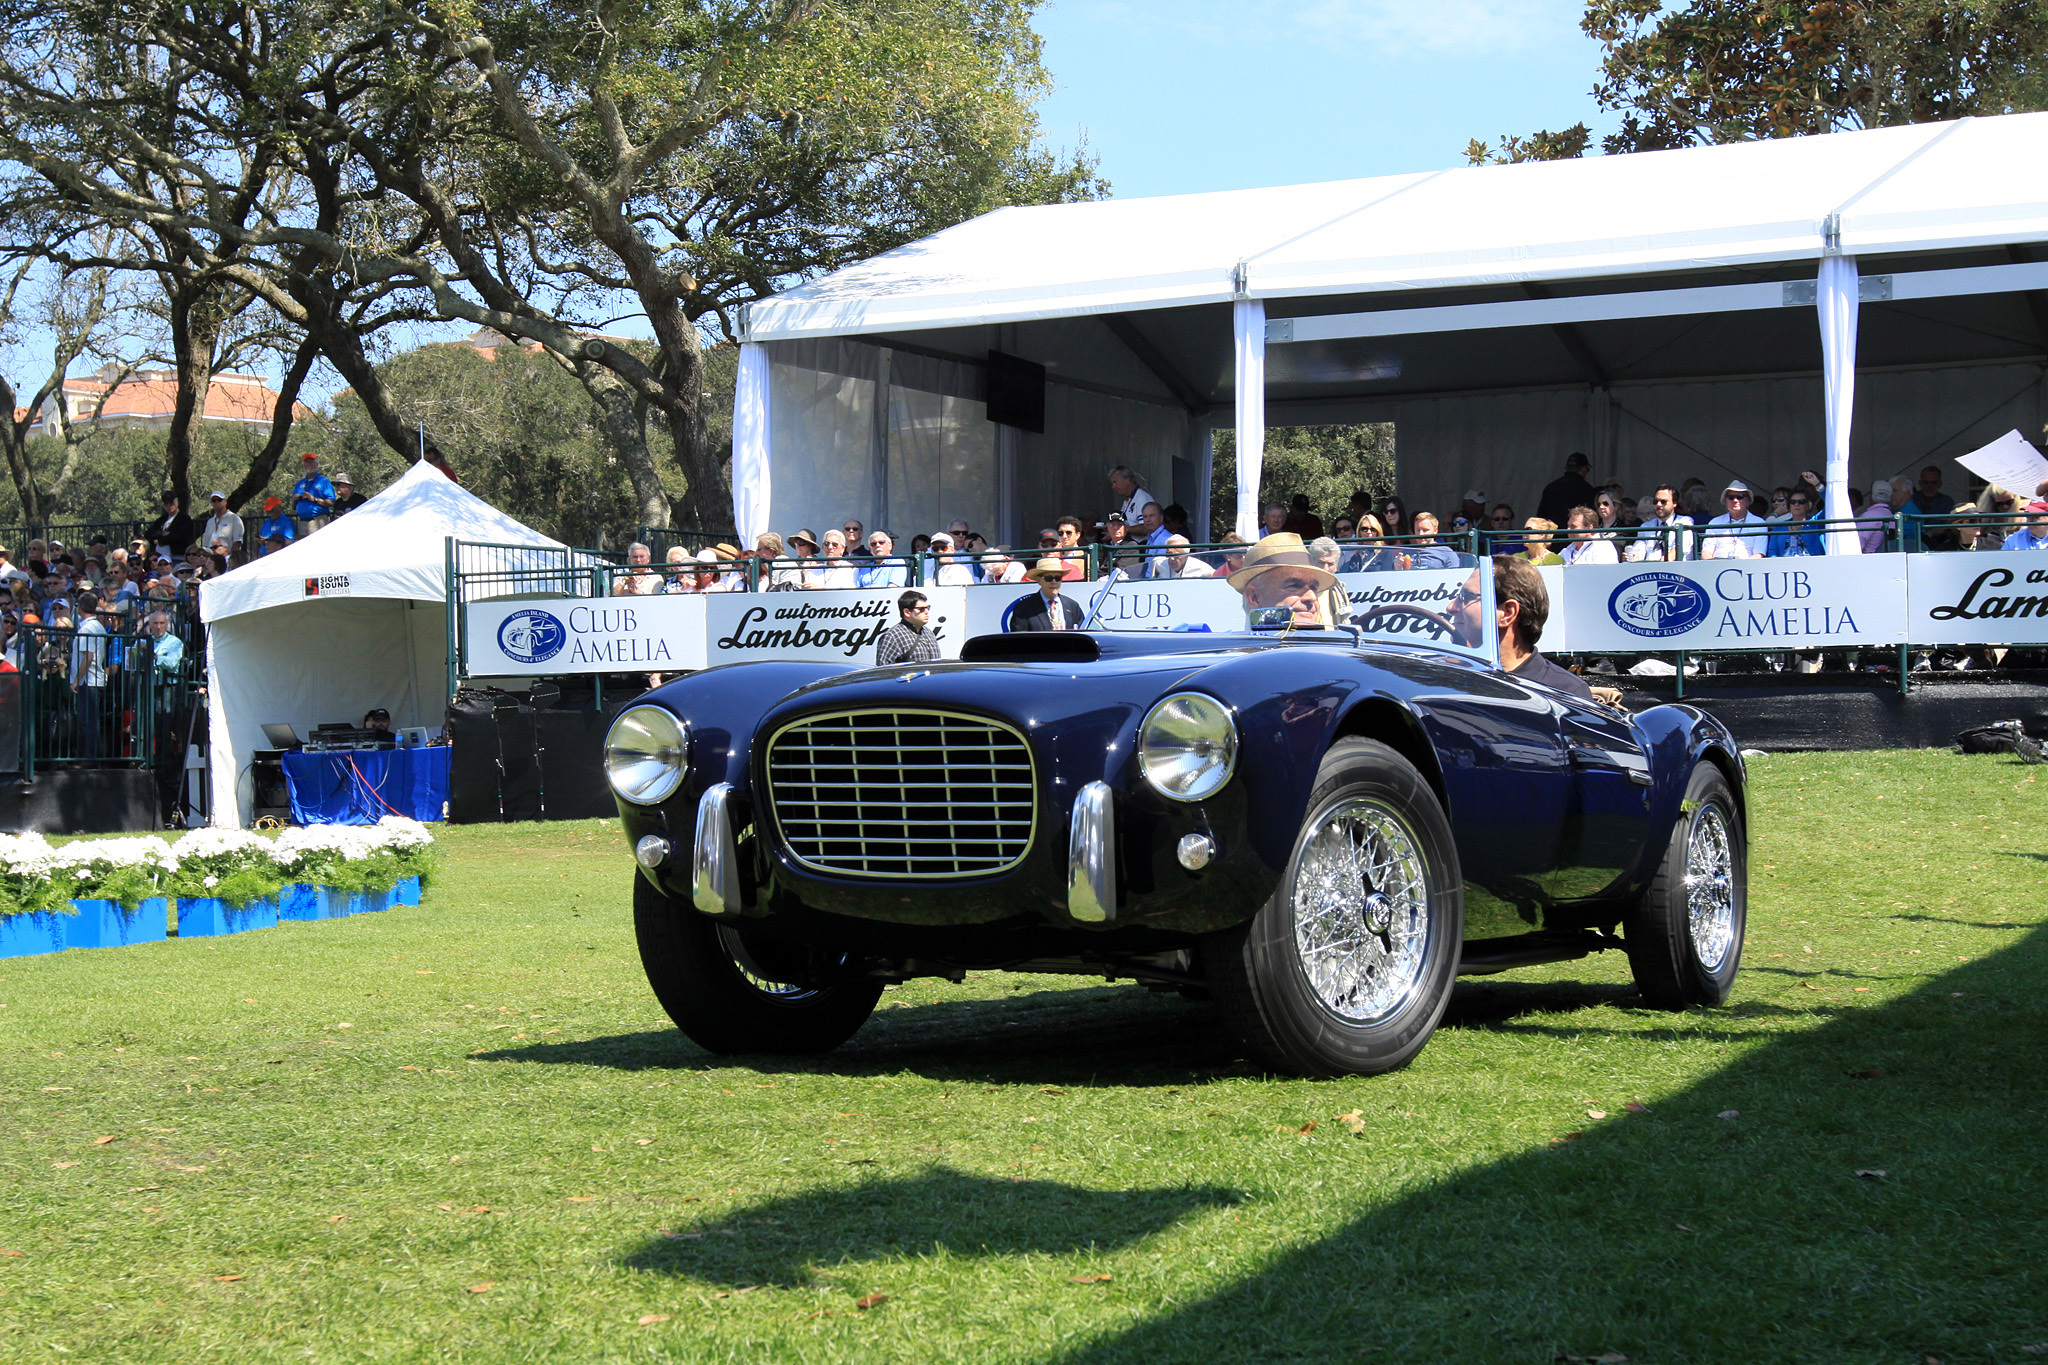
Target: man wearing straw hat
1046,609
1280,572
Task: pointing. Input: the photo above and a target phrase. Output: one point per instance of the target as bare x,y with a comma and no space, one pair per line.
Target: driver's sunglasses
1463,596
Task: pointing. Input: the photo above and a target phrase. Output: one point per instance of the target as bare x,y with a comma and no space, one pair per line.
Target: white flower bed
33,871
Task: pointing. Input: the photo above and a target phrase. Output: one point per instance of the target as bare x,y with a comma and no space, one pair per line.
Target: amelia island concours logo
1658,604
532,636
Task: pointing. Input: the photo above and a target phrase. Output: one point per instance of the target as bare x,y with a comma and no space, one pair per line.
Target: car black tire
728,994
1332,1024
1684,938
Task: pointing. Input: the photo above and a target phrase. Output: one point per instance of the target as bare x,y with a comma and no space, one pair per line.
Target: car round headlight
646,754
1187,746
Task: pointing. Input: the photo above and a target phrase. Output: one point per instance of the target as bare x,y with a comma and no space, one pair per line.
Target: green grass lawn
465,1132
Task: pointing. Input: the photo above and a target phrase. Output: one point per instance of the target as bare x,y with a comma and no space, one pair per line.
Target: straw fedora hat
1047,568
804,537
1281,550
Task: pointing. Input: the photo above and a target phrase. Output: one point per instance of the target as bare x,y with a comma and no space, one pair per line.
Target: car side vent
1057,646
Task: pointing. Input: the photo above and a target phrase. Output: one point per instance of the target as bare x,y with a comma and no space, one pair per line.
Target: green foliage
1725,70
518,429
1543,145
121,472
1328,464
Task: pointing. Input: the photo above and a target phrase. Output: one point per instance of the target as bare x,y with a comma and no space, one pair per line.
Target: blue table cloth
362,786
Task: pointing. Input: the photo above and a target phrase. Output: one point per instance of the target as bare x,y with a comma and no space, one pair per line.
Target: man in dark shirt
1570,490
910,640
346,499
173,530
1520,607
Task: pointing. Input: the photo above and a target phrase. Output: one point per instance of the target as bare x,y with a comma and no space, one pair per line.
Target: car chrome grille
909,794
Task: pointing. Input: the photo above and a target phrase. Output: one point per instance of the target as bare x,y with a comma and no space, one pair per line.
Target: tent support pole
1248,327
1837,296
454,618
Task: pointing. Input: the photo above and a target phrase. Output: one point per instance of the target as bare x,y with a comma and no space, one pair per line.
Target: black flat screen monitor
1016,392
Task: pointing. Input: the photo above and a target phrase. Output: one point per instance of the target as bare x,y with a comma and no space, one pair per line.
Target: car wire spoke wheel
761,977
1347,967
1710,888
1361,911
1684,936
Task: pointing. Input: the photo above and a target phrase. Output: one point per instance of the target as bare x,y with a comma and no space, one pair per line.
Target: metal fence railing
90,698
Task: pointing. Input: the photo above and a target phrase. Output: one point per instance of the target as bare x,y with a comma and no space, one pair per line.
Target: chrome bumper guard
714,859
1091,855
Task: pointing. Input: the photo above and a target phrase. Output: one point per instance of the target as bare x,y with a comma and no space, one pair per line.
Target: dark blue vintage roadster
1320,832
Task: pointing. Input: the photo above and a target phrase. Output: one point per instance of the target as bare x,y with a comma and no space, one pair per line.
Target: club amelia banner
551,636
1754,604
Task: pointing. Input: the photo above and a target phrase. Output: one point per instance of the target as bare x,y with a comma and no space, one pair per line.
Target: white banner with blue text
1800,602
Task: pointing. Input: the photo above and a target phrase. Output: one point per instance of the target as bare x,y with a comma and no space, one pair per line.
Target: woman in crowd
1607,510
1393,516
1536,541
1585,544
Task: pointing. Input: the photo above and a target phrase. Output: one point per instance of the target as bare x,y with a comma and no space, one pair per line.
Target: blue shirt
1432,557
279,525
2025,539
313,486
883,576
1791,541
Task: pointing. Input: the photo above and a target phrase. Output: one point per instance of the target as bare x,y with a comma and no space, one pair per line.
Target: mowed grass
465,1132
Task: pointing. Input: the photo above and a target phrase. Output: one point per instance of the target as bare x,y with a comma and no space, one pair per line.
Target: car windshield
1444,602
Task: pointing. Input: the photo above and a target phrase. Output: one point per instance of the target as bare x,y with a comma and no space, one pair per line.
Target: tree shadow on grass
1877,1195
777,1242
1121,1035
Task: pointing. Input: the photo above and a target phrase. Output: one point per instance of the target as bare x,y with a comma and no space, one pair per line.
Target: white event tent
1704,312
352,617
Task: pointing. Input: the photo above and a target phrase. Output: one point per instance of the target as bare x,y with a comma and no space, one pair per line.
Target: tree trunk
193,335
265,463
14,436
707,498
342,344
622,422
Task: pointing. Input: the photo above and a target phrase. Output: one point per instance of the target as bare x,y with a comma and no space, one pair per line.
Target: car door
1610,812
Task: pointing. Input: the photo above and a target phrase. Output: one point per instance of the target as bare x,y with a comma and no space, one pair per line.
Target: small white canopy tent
352,617
1669,313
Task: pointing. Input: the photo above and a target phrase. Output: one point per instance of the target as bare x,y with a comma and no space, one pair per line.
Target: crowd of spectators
1579,523
107,635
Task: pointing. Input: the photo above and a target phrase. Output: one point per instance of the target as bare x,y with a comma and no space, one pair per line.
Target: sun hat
1281,550
725,551
2037,506
1047,569
216,493
1475,495
309,455
708,557
1734,486
272,504
804,537
340,479
938,536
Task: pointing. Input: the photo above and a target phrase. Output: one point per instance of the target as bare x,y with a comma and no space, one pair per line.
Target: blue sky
1179,96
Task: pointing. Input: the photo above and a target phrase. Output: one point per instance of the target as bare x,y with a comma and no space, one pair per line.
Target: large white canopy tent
352,617
1698,312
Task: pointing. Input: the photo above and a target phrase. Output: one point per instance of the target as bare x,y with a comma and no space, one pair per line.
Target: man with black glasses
910,640
856,543
1666,537
1521,605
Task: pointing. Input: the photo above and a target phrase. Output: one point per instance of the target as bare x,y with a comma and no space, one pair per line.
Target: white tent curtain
750,444
1836,298
1248,337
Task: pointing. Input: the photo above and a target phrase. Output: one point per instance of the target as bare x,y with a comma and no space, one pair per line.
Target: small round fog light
1195,851
651,852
